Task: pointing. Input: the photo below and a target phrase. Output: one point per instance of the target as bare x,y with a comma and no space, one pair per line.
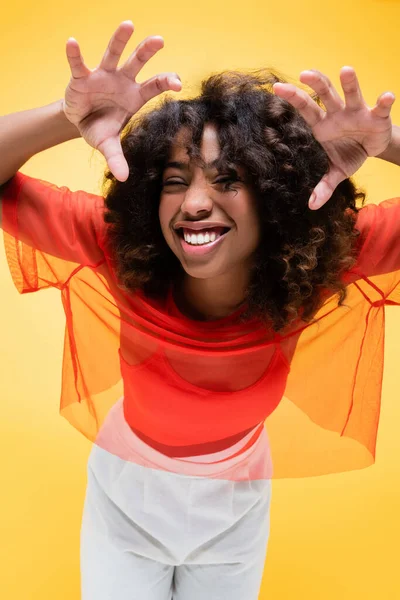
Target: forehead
210,148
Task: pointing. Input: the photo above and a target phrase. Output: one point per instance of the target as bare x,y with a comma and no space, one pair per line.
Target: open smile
199,242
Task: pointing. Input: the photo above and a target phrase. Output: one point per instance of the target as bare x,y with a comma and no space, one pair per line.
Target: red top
195,387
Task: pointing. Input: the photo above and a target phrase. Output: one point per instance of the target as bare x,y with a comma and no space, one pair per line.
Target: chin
202,271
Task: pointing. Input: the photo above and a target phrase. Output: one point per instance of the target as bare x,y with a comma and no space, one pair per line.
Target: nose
197,201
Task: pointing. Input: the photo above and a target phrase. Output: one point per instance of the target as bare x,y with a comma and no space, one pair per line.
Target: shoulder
374,218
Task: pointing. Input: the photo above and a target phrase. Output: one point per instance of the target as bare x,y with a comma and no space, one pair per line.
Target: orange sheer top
195,387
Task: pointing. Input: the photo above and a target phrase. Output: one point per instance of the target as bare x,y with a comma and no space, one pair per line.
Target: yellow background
332,537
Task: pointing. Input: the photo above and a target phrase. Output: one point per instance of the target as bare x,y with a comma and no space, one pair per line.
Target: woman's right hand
100,102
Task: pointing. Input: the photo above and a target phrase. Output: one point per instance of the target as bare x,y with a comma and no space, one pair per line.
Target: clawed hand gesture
349,130
100,102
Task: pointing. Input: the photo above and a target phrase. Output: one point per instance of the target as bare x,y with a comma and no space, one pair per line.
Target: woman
200,296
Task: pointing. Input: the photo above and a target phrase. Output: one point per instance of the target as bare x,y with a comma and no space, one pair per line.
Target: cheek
248,222
167,212
165,216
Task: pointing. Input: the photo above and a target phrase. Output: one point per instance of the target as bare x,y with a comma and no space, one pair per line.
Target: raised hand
100,102
348,130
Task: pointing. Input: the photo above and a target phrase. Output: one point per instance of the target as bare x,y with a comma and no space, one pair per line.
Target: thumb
325,188
112,151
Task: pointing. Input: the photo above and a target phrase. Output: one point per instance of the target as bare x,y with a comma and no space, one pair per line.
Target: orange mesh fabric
193,388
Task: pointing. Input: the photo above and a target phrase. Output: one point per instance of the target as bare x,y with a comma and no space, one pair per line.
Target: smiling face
208,218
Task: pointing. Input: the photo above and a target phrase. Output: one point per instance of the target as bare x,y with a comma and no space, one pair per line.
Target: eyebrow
183,166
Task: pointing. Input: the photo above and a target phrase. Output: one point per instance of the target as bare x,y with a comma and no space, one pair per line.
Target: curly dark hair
301,253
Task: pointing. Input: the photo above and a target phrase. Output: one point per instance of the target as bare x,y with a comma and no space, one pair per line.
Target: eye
227,182
173,182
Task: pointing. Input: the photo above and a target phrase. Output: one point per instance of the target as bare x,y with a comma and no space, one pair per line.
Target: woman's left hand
348,129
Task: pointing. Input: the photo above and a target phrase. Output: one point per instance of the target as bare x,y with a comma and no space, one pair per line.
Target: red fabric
193,387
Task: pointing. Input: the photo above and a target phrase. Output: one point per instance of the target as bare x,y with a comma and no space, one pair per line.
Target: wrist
70,131
392,152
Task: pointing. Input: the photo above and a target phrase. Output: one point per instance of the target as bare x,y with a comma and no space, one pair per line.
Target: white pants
154,534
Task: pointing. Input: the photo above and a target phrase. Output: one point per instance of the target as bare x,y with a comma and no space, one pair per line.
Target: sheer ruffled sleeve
49,232
328,419
55,237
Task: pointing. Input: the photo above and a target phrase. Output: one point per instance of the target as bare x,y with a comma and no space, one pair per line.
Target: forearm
24,134
392,152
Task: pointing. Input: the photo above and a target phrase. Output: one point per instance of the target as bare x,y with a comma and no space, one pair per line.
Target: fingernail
312,200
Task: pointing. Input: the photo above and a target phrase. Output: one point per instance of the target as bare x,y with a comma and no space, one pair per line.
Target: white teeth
200,238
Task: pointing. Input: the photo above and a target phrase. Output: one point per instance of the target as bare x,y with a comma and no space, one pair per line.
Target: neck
214,298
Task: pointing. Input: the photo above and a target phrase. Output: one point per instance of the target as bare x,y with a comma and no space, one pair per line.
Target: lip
199,225
202,249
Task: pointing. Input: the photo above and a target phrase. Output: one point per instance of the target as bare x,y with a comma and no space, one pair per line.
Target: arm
392,152
52,232
38,128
